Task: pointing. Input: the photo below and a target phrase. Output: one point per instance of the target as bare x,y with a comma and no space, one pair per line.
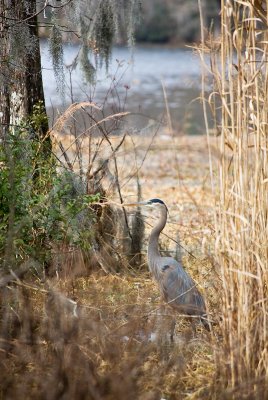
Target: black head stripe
156,201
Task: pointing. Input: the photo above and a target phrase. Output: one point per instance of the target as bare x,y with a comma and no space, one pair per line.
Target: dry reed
240,74
96,338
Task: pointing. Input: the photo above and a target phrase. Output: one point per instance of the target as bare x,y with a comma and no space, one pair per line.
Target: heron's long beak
139,203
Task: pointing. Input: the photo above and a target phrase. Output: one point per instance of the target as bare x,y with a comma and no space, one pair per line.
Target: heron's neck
153,249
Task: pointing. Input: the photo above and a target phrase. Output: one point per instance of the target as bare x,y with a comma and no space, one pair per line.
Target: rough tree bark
20,72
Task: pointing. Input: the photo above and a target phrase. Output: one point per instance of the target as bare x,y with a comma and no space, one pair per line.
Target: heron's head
152,203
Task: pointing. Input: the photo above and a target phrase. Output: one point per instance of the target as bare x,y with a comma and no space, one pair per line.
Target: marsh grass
115,341
105,336
101,349
239,104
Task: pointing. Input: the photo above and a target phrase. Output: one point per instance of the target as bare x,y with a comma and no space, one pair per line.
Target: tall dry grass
240,103
96,338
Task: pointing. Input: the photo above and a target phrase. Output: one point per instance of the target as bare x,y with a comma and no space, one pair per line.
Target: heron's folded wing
179,290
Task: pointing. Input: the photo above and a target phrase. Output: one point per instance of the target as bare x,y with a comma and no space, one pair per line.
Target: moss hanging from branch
56,51
104,31
97,24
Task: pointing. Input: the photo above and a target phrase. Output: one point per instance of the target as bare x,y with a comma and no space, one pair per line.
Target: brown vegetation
106,335
100,334
239,67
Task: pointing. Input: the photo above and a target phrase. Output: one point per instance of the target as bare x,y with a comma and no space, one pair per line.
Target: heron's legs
172,329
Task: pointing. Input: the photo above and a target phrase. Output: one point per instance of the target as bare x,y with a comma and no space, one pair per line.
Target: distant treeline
175,21
158,21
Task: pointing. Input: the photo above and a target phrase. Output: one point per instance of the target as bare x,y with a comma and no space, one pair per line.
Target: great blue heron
176,286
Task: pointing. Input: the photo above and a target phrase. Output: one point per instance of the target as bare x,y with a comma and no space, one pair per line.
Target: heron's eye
165,267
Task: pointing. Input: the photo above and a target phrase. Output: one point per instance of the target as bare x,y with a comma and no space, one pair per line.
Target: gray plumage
177,287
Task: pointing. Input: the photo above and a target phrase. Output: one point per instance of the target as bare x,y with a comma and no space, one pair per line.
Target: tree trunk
20,75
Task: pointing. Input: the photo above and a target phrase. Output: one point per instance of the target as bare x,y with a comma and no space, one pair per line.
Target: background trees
174,21
20,75
93,23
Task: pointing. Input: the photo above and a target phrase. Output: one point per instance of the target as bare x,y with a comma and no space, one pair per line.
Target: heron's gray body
177,287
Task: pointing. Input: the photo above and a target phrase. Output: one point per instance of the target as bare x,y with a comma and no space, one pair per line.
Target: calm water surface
144,73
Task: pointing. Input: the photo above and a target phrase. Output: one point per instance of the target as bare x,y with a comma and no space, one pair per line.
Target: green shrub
39,206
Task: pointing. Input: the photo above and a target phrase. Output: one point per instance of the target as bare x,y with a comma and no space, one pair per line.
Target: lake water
139,78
